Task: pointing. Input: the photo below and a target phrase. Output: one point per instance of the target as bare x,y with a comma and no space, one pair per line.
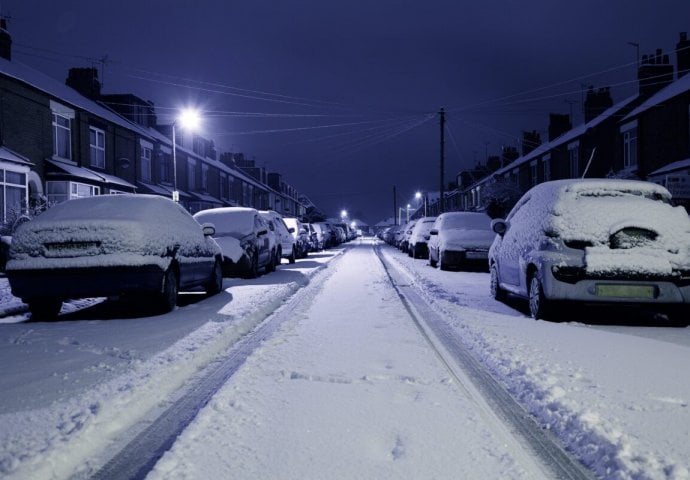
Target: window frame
97,149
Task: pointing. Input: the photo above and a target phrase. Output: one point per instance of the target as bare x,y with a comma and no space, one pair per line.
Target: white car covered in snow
110,245
594,241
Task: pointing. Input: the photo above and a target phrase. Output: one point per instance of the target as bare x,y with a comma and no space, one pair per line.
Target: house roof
12,156
682,85
568,136
64,94
90,175
672,167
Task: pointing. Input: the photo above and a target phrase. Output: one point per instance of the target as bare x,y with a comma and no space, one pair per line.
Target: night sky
341,96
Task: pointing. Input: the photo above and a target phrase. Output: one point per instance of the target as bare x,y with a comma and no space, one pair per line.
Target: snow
347,388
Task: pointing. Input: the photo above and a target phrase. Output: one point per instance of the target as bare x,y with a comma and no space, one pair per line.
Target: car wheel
167,299
278,256
253,271
496,291
215,282
539,306
44,308
271,265
293,255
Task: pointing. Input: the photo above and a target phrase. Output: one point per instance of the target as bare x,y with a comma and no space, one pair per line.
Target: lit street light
418,196
189,119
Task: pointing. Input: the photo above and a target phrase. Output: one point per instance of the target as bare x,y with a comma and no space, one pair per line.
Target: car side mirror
261,232
433,232
208,229
291,229
499,226
427,237
303,230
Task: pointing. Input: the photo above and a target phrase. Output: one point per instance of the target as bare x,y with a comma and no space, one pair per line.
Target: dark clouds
355,61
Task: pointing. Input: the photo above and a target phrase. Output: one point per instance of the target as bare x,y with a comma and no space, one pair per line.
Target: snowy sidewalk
347,389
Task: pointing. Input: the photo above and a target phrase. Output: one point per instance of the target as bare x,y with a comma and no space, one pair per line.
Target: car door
510,247
263,246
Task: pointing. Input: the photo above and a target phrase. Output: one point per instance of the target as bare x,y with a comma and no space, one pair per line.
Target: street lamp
189,119
343,214
418,196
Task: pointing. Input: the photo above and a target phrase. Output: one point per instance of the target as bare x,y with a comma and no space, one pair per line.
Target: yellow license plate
626,291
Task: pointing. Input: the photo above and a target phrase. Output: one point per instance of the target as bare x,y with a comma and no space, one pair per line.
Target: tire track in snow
480,386
140,455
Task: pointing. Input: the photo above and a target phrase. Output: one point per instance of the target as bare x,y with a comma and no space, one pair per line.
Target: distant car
459,239
417,243
243,238
300,234
111,245
405,233
284,237
325,234
595,242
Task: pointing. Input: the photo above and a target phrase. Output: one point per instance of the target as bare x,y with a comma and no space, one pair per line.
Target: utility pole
442,115
395,207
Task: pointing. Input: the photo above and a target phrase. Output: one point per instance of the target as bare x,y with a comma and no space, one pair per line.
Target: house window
630,148
145,163
62,137
12,194
204,176
166,166
547,167
574,160
60,191
223,185
191,174
97,147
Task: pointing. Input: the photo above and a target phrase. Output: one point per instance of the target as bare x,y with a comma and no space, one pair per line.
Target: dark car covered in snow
110,245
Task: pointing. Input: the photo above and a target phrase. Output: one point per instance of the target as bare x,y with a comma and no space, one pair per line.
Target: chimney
5,40
558,125
530,141
655,72
683,54
85,81
597,102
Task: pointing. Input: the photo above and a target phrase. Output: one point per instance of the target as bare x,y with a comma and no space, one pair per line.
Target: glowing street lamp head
418,195
343,214
189,119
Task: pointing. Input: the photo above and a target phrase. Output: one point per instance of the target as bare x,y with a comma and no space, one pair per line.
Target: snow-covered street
346,387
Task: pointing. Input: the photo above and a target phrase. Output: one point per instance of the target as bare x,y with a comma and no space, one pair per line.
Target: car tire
433,262
253,270
293,255
167,297
271,265
496,291
44,308
539,306
215,282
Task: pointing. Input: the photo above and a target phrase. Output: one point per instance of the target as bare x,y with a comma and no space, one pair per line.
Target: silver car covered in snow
596,242
460,239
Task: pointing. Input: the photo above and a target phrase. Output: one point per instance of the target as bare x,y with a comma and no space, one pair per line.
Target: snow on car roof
229,220
594,210
116,207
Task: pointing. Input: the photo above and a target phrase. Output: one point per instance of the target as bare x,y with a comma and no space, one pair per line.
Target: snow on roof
568,136
672,167
680,86
64,94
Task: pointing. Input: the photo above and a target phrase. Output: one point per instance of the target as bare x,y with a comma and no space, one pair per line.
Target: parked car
325,234
405,233
111,245
417,243
596,242
460,239
243,236
315,244
299,234
286,243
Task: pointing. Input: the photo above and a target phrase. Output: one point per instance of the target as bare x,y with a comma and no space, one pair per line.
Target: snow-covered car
111,245
460,239
284,239
325,234
417,243
243,236
596,242
406,231
300,234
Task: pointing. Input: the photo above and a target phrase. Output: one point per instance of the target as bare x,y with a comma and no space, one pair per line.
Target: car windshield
469,222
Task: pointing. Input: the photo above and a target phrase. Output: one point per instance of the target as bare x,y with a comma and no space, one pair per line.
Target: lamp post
189,119
408,212
418,196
